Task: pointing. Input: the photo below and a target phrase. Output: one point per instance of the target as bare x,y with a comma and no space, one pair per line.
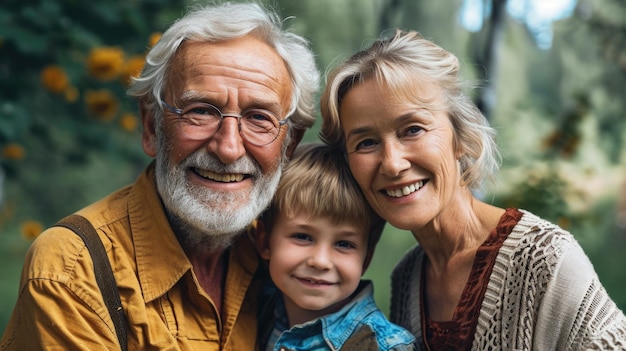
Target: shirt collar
161,261
337,327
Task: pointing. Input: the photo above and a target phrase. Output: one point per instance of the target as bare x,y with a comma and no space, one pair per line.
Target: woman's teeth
405,190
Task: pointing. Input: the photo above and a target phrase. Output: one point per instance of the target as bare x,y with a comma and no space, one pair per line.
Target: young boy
319,236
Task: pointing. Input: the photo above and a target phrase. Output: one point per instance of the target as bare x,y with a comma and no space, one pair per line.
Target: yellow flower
71,94
13,151
54,78
105,63
132,68
31,229
154,38
129,122
101,103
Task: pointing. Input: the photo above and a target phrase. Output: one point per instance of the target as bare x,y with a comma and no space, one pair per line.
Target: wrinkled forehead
247,62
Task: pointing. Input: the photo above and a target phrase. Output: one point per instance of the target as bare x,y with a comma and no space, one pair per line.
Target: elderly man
225,96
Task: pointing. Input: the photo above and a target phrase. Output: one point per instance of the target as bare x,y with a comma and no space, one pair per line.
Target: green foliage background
559,113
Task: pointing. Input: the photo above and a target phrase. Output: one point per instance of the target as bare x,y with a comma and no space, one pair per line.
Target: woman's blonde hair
402,63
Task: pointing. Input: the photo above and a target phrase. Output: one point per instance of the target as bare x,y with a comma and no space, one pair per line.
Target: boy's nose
320,259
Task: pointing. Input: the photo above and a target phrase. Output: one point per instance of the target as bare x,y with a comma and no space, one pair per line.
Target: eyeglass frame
179,112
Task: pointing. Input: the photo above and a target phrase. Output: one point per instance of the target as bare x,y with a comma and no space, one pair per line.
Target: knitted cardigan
543,294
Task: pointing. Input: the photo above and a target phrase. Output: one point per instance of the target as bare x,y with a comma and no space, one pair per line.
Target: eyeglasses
201,120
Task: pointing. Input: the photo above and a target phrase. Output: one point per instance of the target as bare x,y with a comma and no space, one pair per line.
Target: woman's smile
405,190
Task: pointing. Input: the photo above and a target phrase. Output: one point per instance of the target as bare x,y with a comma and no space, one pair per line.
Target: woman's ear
262,240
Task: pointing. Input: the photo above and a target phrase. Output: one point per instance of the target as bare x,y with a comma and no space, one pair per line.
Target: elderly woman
482,277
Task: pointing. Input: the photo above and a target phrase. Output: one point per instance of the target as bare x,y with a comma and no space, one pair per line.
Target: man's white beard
209,220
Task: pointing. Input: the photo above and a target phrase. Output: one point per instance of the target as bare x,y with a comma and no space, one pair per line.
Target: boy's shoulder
367,339
370,325
387,335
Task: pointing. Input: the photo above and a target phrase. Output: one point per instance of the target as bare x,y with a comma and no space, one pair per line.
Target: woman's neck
452,238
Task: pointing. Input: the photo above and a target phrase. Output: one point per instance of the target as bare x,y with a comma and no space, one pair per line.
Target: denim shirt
336,330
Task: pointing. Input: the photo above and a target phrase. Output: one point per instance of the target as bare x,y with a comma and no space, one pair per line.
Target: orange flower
54,78
129,122
105,63
154,38
132,68
71,94
13,151
31,229
101,103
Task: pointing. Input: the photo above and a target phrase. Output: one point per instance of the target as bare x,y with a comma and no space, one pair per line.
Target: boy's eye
345,244
302,237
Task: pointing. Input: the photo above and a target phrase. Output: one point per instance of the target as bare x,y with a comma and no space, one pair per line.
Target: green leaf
27,42
14,120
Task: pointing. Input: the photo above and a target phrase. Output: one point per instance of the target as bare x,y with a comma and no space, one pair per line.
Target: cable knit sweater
543,294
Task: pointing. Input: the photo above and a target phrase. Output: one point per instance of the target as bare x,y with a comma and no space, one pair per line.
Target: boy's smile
316,263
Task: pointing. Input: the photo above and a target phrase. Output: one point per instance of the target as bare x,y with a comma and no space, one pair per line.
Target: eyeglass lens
200,121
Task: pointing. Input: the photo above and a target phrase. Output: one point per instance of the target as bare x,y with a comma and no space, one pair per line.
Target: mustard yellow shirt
60,307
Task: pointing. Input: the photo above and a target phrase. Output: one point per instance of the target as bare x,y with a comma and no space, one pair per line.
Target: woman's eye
365,144
412,130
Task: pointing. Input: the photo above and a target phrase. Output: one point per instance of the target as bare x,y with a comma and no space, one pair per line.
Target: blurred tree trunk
483,45
1,187
485,53
385,21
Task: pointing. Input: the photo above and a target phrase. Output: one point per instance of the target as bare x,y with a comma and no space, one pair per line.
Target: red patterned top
458,334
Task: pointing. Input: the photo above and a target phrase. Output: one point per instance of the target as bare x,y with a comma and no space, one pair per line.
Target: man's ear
261,238
296,137
148,137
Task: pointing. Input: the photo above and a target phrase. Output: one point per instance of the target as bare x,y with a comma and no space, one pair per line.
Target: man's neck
210,270
208,256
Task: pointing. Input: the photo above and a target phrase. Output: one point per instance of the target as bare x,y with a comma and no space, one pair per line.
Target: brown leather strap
102,268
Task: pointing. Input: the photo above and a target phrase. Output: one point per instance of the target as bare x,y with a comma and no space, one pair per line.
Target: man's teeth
406,190
220,177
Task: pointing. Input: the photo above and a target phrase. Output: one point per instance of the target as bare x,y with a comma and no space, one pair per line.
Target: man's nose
227,143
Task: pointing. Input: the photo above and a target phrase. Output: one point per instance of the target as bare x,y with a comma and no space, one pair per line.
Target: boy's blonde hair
317,181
